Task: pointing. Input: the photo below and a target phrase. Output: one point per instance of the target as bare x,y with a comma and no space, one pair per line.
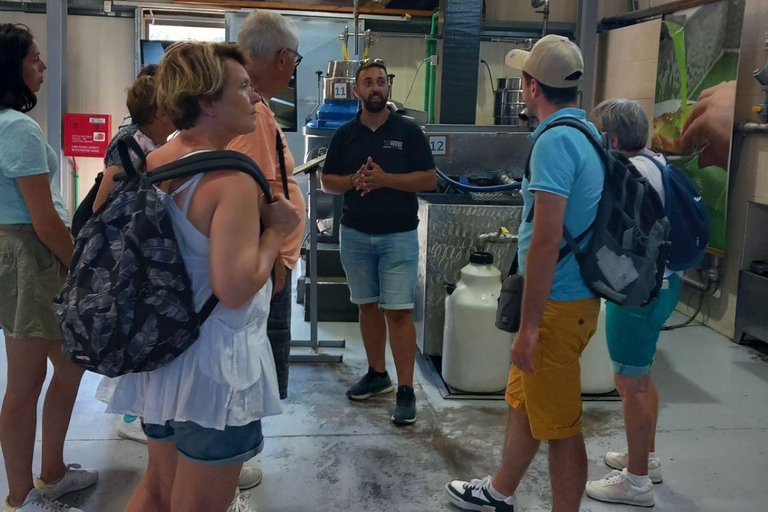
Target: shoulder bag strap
281,157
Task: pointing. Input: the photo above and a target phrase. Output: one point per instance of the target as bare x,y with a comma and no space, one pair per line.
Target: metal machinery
452,223
508,102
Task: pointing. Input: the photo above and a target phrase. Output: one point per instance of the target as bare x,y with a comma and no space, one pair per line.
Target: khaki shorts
552,397
30,277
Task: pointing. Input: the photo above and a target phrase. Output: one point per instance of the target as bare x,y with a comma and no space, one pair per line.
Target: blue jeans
209,446
381,268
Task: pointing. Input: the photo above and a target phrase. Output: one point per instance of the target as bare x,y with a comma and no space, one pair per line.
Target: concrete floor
325,454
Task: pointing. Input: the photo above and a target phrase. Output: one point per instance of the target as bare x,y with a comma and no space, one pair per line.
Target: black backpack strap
281,157
207,308
209,161
124,147
655,162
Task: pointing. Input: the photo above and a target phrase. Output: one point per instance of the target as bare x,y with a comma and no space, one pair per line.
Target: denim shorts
632,334
233,445
381,268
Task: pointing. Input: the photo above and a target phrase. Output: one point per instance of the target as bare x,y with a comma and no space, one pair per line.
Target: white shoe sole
249,485
402,423
464,505
123,435
620,502
654,479
51,495
360,398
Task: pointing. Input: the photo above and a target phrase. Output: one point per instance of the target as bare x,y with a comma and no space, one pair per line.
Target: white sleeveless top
227,377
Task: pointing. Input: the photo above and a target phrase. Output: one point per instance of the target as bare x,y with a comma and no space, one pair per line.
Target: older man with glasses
271,44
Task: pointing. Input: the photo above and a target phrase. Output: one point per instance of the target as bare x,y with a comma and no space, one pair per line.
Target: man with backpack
559,311
632,334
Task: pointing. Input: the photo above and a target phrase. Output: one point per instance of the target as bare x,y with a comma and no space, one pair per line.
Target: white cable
414,81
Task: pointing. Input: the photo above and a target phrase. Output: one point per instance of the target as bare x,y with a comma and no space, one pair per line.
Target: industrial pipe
474,188
356,14
712,279
752,128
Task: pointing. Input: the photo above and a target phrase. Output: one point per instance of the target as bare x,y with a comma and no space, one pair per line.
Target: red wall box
87,134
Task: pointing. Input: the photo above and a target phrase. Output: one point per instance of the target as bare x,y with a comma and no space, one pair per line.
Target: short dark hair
556,95
375,63
15,41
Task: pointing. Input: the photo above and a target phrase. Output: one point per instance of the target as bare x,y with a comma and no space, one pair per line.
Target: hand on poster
711,125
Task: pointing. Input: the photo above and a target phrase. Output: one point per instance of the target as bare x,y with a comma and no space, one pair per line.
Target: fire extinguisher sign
87,135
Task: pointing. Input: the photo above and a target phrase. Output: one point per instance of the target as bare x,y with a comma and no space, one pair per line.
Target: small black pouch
510,306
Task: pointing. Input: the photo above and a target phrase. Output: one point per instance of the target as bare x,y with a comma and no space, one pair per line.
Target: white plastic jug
476,355
596,368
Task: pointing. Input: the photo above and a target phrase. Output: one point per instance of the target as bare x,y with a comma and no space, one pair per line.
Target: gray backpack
624,260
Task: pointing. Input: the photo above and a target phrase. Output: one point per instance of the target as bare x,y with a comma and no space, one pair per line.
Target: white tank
596,368
476,355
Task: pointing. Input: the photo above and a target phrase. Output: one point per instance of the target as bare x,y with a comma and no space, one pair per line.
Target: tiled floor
325,454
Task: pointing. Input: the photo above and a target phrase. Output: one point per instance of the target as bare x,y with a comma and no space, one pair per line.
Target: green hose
429,90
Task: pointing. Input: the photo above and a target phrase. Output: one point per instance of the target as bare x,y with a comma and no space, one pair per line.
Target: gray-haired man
271,43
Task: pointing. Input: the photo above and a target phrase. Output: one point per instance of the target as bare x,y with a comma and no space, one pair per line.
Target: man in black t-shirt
379,161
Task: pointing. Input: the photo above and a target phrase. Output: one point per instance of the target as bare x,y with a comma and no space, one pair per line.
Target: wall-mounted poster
695,100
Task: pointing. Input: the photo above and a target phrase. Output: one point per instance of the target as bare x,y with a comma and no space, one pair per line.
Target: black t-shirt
399,147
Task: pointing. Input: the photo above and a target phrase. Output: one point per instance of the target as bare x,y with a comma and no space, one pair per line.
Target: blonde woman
202,412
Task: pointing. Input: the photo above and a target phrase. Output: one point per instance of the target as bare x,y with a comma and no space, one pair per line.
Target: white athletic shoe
620,460
615,487
131,430
75,479
249,477
240,504
36,502
476,495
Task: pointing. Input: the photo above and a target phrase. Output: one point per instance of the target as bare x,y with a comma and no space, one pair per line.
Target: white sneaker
249,477
131,430
476,495
620,460
240,504
615,487
75,479
36,502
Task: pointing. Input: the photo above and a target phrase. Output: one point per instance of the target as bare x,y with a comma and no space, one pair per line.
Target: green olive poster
695,100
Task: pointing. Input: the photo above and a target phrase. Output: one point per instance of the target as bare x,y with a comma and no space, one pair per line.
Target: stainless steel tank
508,102
338,82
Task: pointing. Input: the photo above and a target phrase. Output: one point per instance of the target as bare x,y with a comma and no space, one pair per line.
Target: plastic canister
476,355
596,368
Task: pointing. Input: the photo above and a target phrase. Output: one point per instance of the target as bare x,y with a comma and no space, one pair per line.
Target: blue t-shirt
563,162
24,152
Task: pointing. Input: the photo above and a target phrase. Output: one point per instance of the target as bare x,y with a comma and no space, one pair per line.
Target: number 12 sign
438,144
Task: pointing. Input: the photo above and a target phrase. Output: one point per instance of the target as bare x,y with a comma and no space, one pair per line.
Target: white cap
554,61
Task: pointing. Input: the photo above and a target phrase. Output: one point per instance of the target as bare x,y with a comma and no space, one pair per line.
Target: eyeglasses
297,59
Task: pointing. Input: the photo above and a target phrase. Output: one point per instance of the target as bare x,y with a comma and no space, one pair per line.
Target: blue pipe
473,188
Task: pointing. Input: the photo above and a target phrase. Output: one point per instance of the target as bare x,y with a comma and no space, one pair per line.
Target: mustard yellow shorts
552,396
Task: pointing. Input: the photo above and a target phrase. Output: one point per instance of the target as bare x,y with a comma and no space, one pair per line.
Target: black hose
688,322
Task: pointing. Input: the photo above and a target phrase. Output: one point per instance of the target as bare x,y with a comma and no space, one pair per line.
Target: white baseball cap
554,61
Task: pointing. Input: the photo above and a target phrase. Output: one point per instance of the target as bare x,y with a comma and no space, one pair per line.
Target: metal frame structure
313,343
56,28
586,38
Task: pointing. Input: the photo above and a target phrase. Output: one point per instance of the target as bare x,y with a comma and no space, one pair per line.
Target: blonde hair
190,72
